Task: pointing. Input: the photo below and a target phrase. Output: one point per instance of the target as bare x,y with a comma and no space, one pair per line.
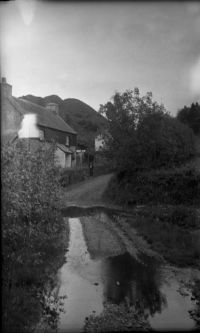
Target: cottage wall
99,143
62,159
59,136
10,121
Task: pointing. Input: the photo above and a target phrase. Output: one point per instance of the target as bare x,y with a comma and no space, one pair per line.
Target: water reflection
92,281
135,283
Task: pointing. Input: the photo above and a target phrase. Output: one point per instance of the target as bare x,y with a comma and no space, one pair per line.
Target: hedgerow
165,186
33,232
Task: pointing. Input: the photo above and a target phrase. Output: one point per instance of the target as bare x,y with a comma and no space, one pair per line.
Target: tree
191,117
142,134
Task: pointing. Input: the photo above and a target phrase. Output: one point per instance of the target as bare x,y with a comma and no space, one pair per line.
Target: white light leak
29,127
27,10
195,78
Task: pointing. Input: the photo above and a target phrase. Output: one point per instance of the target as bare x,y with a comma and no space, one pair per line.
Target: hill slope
80,116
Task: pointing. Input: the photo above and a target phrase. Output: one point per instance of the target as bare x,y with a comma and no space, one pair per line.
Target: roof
64,148
45,117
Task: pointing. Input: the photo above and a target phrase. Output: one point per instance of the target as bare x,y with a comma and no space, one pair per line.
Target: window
41,135
67,141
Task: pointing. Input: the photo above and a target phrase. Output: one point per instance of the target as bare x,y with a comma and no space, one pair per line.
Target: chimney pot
53,107
6,88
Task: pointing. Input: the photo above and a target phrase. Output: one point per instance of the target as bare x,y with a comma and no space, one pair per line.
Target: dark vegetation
191,117
148,148
80,116
195,314
163,186
34,237
171,232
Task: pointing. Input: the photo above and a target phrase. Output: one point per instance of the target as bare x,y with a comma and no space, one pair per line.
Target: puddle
77,280
89,282
175,315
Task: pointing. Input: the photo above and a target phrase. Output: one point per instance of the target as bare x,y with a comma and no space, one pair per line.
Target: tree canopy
191,117
142,134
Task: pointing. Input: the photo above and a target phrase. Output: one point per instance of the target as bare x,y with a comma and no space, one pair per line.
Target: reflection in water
117,279
175,316
77,279
134,282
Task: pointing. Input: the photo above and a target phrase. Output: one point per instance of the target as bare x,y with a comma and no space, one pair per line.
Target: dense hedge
34,236
174,186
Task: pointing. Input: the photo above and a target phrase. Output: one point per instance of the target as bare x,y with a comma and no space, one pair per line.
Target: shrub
32,231
163,142
173,186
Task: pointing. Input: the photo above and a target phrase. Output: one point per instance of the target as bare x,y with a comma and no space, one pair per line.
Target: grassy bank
172,231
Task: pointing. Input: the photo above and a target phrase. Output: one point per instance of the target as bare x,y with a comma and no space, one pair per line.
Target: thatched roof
45,117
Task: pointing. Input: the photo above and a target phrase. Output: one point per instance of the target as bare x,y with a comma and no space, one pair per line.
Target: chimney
6,89
53,107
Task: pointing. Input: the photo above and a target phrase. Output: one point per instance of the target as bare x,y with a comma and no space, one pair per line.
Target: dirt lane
87,193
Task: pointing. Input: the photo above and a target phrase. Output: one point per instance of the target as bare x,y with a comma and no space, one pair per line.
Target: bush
33,237
173,186
163,142
191,117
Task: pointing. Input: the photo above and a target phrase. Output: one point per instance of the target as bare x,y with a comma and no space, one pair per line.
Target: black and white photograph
100,166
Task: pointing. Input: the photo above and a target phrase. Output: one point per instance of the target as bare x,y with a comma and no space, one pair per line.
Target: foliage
172,186
191,117
171,231
142,134
32,231
163,141
195,313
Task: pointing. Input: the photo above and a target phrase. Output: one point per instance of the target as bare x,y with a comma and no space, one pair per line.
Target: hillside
80,116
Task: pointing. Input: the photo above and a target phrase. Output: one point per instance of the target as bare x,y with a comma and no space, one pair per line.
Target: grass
163,228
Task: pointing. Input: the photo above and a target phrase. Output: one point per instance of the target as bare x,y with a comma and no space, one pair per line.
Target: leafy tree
191,117
163,141
142,134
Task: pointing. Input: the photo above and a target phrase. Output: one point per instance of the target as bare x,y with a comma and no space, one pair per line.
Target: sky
89,50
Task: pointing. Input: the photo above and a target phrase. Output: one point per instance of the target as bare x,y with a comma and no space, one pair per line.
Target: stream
90,280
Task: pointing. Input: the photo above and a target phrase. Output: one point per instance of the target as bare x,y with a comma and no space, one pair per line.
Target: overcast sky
90,50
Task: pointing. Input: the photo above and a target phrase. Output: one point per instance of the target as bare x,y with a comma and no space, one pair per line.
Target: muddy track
87,193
